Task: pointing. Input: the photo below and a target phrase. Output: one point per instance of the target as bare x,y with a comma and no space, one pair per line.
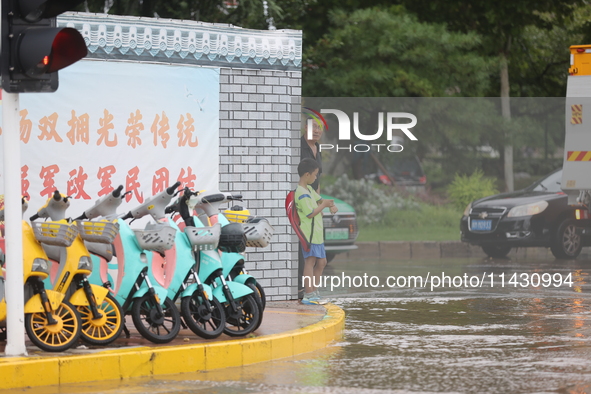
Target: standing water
466,337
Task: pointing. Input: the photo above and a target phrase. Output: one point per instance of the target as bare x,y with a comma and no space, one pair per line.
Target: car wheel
330,257
495,251
567,242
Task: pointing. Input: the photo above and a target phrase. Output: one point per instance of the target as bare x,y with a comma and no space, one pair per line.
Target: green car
340,229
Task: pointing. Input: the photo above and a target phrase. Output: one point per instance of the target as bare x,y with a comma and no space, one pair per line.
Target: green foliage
465,189
422,223
247,13
377,233
389,53
371,202
423,215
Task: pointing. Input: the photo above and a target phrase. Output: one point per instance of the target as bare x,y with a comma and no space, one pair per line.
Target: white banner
143,126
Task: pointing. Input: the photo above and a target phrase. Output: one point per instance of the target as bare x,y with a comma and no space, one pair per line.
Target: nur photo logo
315,119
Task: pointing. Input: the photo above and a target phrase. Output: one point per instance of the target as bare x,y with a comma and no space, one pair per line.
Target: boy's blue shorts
316,250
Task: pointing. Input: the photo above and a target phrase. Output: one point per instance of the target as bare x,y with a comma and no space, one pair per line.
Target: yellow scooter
51,322
101,315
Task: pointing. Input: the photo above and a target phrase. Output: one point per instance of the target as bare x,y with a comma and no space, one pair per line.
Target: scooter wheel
261,294
259,300
242,321
152,325
206,323
106,329
56,337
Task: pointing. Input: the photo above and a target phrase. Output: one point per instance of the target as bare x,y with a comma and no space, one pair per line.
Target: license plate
481,225
336,233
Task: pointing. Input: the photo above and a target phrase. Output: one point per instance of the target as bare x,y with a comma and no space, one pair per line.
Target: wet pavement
466,336
279,317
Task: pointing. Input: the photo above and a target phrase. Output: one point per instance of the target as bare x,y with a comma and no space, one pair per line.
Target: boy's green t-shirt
306,201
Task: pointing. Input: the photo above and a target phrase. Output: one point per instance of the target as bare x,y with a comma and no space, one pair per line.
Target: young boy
309,206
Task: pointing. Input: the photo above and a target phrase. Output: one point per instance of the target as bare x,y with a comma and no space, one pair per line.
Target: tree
499,23
243,13
389,53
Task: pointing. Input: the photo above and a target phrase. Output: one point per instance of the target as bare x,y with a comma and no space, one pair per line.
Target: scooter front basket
204,238
54,233
232,238
156,237
103,232
258,232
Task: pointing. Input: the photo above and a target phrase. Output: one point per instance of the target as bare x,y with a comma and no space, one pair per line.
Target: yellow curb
20,372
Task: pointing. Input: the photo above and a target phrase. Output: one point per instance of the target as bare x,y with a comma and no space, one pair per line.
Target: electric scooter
257,232
201,312
232,240
101,314
128,275
51,322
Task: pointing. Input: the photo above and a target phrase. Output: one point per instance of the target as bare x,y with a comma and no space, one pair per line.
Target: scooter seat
104,250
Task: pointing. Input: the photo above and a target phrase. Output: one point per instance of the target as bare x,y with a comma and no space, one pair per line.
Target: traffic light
33,48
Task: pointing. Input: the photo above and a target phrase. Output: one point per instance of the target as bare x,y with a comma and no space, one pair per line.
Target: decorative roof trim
188,42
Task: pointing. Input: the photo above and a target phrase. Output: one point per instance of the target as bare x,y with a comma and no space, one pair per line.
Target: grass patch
381,233
426,223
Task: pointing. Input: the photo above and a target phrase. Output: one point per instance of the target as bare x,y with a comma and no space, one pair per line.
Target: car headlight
528,209
85,263
40,265
468,209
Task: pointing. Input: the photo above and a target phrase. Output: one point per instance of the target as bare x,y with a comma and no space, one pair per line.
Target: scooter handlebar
155,206
54,208
210,203
117,192
172,189
105,206
81,217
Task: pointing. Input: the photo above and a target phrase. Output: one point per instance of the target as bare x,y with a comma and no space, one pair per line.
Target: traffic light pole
15,298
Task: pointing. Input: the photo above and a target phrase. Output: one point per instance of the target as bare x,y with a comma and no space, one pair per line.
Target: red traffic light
47,50
33,49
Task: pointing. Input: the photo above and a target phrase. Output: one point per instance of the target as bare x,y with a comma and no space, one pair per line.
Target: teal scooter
233,242
240,306
174,269
128,277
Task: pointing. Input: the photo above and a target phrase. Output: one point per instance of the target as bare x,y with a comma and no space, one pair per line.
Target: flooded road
467,338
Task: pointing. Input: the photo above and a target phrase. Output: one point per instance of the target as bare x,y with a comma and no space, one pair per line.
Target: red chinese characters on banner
79,128
106,124
159,129
25,182
185,131
47,125
132,185
75,185
48,174
25,126
104,174
160,180
187,178
134,126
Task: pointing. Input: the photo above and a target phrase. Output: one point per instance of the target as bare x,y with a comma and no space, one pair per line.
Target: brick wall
259,152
